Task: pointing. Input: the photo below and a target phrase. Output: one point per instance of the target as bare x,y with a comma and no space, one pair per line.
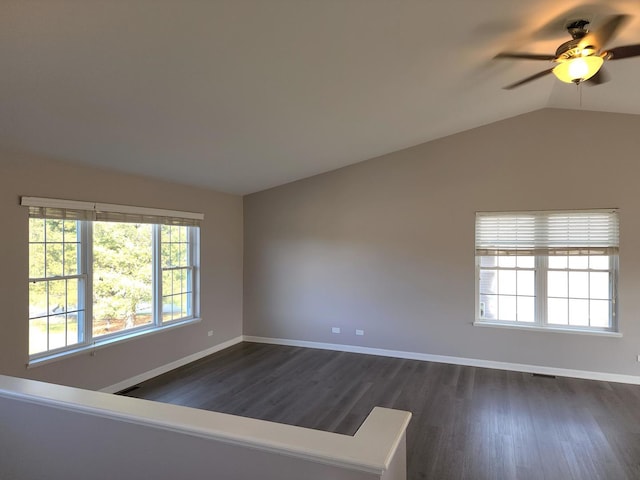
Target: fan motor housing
573,49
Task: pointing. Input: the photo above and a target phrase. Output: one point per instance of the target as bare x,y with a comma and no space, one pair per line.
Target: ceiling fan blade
598,38
529,79
556,28
599,78
625,51
525,56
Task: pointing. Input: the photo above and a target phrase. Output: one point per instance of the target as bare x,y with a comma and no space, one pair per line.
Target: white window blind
107,212
593,232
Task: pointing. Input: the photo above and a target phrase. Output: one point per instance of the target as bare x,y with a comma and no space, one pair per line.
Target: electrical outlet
210,333
359,332
638,358
335,329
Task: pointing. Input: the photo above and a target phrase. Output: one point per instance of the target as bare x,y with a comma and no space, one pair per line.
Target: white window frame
85,215
606,241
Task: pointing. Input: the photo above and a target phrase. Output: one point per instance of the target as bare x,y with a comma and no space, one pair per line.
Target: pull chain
579,87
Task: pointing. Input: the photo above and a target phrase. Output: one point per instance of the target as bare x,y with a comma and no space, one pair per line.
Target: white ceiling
242,95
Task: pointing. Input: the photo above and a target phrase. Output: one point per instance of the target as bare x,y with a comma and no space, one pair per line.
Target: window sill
575,331
98,345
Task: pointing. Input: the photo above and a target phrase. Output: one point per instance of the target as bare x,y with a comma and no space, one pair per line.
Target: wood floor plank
468,423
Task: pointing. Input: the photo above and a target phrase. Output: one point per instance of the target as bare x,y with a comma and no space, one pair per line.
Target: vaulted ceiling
243,95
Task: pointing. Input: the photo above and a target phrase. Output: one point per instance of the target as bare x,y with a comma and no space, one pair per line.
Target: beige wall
387,245
221,262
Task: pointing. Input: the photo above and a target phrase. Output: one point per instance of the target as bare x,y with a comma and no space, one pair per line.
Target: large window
100,272
555,270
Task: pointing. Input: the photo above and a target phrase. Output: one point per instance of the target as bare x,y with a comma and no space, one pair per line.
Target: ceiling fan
581,58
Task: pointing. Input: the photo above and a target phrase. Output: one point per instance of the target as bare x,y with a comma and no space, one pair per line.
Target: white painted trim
548,329
100,344
470,362
129,382
371,449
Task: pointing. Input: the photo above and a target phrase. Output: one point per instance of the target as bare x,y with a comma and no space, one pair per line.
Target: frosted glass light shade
578,69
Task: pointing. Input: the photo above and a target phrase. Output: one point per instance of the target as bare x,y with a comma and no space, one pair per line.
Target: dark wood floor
468,423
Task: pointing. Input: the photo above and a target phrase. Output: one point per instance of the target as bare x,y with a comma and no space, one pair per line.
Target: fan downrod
577,28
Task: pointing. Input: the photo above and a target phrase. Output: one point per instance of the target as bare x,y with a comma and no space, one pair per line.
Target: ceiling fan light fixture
578,69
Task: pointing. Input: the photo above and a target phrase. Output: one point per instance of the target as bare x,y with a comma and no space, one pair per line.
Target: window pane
54,260
72,295
165,253
579,262
57,297
578,284
183,280
599,285
70,258
70,231
175,280
72,329
526,261
507,282
57,331
167,283
36,260
599,313
578,312
557,311
175,233
169,308
37,299
122,276
36,229
507,307
526,309
54,230
488,281
507,261
38,335
488,261
599,262
184,251
557,261
526,282
186,306
557,284
165,233
176,255
489,307
183,234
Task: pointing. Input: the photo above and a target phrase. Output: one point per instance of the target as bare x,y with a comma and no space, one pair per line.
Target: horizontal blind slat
106,212
550,232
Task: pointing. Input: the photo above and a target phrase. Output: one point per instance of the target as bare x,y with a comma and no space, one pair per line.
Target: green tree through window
95,281
122,276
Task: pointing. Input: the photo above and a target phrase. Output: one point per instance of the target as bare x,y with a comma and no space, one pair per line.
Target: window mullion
613,293
194,257
157,275
86,245
542,265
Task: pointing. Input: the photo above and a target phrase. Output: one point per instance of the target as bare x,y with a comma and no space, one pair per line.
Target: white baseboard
129,382
470,362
